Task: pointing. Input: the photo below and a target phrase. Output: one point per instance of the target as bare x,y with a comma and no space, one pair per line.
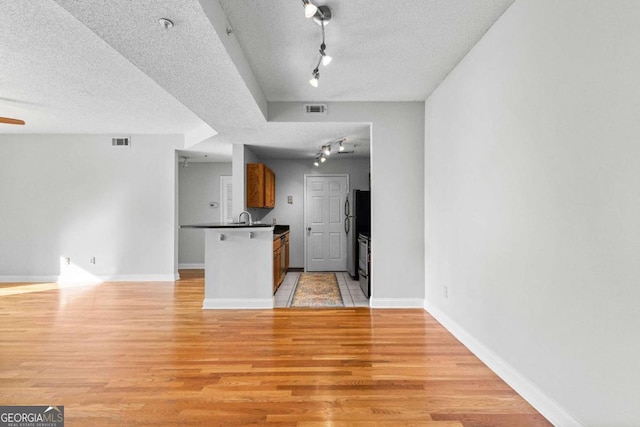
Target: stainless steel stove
364,263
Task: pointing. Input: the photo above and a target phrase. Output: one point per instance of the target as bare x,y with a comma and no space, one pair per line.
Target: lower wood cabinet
277,271
280,260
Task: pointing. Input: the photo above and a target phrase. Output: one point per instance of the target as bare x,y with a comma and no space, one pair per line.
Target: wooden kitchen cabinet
280,259
286,254
277,261
261,186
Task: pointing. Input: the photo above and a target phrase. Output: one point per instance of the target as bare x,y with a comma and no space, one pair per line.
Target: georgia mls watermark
31,416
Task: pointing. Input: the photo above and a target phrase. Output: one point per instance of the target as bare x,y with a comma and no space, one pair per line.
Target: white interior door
325,238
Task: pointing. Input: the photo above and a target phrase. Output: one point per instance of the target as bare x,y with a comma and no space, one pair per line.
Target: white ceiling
108,67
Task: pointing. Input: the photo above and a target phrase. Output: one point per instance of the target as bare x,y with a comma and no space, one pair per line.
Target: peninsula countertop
222,225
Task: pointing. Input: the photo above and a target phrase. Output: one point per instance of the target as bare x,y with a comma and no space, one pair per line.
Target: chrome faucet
248,216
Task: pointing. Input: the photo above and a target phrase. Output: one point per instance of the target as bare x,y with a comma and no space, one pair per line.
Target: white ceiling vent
315,108
124,141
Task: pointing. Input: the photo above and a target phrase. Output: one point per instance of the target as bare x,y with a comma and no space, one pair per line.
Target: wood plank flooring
146,354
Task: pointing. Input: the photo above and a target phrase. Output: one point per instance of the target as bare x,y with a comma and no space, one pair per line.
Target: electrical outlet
92,260
67,260
445,291
290,200
274,221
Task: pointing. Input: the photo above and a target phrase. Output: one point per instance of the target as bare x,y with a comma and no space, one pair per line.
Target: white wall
199,185
397,191
77,196
241,156
533,205
290,182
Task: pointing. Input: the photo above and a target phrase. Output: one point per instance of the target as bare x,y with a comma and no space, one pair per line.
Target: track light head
315,78
326,59
341,147
326,150
309,9
322,159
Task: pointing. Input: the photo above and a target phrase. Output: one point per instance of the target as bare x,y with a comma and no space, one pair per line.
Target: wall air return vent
124,141
315,108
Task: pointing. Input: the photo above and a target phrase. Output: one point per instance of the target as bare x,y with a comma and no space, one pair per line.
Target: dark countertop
220,225
279,231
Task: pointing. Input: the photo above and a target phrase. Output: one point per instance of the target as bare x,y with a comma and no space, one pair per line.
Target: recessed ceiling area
396,50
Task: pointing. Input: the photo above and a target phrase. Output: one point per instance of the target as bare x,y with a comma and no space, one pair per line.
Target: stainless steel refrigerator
357,212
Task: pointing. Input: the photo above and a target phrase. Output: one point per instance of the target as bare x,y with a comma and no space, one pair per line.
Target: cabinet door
286,254
276,269
269,188
255,185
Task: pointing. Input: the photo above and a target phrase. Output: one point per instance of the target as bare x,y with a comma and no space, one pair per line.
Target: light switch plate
290,200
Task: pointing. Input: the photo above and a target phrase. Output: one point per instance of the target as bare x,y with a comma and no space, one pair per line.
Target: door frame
304,204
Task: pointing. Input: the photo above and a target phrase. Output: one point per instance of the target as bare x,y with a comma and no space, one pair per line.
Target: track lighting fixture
326,150
321,15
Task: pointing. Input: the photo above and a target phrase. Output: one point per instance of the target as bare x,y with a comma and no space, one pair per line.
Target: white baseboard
548,407
28,279
192,266
97,278
397,303
140,278
237,303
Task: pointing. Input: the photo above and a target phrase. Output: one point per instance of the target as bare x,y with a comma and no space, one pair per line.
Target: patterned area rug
317,290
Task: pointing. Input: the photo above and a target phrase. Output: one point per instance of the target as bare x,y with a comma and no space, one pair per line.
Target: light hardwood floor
146,354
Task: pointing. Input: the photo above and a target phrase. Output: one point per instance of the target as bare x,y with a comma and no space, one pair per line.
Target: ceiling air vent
346,152
121,142
315,108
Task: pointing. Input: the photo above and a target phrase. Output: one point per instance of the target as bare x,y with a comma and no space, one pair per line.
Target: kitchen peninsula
238,266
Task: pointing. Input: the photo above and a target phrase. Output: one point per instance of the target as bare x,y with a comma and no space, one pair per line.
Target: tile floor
352,295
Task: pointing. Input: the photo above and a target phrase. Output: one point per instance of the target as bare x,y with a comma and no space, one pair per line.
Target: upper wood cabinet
261,186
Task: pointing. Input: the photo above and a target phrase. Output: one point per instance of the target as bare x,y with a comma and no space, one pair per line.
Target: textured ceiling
71,66
60,77
396,50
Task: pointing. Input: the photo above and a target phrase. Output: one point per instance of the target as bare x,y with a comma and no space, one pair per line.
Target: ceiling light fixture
165,23
322,16
327,149
315,78
309,9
